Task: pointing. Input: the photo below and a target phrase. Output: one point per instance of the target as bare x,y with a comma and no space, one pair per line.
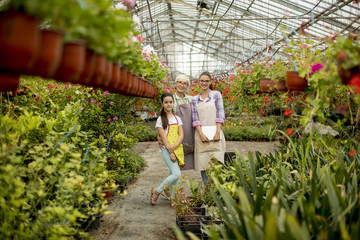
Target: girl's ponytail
164,119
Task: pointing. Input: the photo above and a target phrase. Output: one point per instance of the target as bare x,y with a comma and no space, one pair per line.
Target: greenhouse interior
106,107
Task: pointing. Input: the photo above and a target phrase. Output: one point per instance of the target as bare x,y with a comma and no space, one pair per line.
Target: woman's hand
216,137
173,157
204,138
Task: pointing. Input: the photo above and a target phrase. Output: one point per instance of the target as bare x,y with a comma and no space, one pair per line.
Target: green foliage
308,190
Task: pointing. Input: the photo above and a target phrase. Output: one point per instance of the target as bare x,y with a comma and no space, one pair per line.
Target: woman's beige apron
184,112
204,151
172,136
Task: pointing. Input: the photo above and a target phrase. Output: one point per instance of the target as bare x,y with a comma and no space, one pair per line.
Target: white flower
136,19
77,92
120,6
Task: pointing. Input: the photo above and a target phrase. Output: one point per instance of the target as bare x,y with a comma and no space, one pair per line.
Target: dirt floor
132,216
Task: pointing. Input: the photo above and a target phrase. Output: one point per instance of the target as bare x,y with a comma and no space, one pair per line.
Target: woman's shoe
154,196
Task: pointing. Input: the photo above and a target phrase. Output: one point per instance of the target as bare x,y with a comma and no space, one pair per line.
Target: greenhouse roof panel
229,30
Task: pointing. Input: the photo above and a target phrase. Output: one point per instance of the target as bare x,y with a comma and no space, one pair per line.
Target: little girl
171,133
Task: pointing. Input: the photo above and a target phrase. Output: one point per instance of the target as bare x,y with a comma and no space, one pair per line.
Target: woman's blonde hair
183,78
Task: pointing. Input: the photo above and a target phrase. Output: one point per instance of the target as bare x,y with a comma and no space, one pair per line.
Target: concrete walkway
133,217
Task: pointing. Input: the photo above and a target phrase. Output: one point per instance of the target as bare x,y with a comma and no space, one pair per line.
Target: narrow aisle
133,217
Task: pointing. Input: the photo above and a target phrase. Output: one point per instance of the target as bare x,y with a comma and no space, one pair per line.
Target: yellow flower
263,134
345,141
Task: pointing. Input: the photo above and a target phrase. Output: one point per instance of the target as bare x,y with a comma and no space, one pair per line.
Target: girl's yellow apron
172,136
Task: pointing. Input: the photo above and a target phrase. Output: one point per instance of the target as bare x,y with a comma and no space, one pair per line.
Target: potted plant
278,75
346,52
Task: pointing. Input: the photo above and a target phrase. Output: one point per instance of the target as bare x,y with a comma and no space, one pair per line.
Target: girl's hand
171,149
173,157
216,137
204,138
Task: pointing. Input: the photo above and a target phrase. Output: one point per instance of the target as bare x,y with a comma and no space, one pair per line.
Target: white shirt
172,120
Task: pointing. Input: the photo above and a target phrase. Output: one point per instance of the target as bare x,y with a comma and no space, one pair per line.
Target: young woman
208,118
171,133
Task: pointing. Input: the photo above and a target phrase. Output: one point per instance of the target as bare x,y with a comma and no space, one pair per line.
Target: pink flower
106,93
140,38
93,101
166,90
249,83
86,101
99,103
115,118
66,86
158,83
109,120
130,3
111,102
316,67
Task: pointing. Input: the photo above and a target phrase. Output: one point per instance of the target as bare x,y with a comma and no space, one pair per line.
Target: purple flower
66,86
93,101
106,93
86,101
249,83
316,67
115,118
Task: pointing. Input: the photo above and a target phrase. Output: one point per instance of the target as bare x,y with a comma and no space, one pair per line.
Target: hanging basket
99,71
50,54
19,41
281,86
8,82
89,67
113,84
294,82
72,62
267,85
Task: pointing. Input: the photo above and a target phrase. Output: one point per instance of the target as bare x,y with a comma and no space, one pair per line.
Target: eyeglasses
205,81
182,83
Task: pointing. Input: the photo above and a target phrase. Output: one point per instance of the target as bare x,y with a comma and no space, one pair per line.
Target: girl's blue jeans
175,173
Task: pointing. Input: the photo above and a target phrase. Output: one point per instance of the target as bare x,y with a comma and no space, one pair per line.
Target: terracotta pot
8,82
108,73
143,87
127,85
113,84
294,82
48,60
19,41
72,62
156,92
99,71
122,81
267,85
135,85
89,67
281,86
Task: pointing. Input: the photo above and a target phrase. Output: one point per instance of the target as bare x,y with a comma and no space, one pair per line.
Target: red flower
287,112
289,131
69,97
355,81
17,90
352,153
266,100
50,86
262,112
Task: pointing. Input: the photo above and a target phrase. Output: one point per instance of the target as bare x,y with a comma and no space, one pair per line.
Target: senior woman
182,108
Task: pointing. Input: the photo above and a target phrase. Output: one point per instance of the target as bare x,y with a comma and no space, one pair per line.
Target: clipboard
209,132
